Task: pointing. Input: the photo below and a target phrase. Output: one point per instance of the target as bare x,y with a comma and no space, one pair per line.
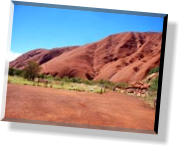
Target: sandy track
78,108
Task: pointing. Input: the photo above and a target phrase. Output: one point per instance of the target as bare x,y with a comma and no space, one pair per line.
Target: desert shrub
17,72
11,71
88,82
57,78
154,84
66,79
153,70
42,76
49,77
31,70
122,85
76,80
106,84
73,79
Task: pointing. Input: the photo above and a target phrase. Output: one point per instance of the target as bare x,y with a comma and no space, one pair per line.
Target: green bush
106,84
153,70
17,72
66,79
154,84
122,85
57,78
73,79
11,71
49,77
76,80
88,82
42,76
103,83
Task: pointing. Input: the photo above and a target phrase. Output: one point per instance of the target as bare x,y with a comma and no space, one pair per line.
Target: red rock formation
38,55
124,57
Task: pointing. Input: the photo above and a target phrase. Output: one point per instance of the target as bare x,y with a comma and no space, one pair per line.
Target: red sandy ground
111,109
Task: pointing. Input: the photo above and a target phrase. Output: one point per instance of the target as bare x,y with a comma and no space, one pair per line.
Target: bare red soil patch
110,110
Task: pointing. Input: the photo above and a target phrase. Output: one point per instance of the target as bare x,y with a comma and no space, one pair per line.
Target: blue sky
40,27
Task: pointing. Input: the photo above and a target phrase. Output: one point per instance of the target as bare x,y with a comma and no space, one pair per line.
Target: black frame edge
157,112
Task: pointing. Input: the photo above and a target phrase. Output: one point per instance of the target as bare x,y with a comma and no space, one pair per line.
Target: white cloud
13,55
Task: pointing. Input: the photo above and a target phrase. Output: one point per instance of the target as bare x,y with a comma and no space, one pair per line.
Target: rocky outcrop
125,57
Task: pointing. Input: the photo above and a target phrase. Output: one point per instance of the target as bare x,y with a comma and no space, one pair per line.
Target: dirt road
78,108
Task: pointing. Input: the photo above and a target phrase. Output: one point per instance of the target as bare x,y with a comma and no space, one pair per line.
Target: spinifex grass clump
154,84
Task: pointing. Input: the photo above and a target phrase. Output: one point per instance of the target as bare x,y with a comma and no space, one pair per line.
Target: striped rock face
123,57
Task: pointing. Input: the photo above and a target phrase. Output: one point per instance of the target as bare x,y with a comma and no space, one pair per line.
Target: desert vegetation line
30,75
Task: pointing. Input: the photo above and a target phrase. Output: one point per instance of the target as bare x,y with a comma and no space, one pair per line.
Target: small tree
31,70
11,71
